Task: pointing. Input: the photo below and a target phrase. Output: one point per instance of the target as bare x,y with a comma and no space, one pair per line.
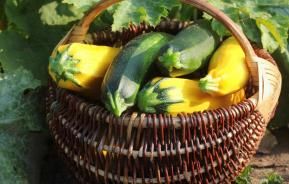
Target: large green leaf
28,42
12,106
184,12
276,7
136,12
18,115
268,40
83,5
15,51
219,27
263,19
12,153
250,28
56,13
275,28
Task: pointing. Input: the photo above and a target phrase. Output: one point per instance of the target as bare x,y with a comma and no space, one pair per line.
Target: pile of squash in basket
154,72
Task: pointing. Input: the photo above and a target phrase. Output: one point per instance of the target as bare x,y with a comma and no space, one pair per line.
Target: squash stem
209,84
147,100
116,104
171,60
65,67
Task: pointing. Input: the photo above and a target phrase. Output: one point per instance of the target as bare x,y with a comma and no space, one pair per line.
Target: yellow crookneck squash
228,71
81,67
176,95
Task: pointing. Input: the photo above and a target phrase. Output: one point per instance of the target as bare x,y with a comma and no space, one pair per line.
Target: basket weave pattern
210,147
203,147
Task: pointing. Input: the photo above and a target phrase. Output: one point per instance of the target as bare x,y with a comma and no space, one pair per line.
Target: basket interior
119,39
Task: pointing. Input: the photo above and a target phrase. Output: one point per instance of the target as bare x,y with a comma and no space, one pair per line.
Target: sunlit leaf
83,5
56,13
135,12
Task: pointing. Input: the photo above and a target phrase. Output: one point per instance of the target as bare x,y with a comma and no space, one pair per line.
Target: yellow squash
81,67
176,95
228,71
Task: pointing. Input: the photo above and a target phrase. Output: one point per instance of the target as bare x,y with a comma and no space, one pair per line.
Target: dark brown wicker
203,147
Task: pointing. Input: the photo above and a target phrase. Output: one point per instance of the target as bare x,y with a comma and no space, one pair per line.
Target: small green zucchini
189,50
126,73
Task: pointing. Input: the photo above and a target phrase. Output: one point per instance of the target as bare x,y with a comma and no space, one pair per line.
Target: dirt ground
54,171
277,161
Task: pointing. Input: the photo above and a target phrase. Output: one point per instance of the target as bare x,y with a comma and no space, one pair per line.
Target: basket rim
147,120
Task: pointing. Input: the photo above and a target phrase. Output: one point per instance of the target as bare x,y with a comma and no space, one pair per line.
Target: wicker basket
204,147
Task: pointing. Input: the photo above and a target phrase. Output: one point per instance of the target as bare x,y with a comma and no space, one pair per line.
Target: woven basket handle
266,76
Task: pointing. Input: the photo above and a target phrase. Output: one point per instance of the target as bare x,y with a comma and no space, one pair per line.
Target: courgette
176,95
188,51
125,75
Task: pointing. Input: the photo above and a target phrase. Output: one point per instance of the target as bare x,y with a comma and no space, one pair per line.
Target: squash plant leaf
18,115
66,12
27,41
135,12
82,5
265,22
56,13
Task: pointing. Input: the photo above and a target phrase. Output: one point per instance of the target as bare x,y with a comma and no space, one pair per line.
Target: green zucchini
126,73
189,50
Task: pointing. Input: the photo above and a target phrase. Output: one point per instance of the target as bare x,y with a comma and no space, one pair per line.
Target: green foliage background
30,29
